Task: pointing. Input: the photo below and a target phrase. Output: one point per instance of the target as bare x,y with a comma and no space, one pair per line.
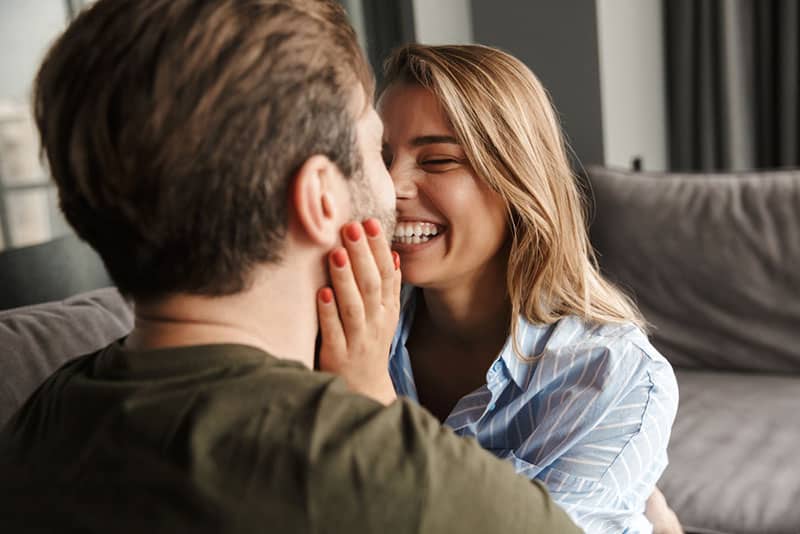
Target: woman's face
450,225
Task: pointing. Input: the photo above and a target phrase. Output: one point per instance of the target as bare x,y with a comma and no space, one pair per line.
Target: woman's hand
359,316
661,515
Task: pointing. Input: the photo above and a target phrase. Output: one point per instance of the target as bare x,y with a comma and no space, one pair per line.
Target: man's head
183,134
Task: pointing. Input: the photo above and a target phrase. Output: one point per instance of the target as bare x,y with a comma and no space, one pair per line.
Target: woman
508,332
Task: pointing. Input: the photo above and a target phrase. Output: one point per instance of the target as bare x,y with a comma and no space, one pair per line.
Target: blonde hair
506,124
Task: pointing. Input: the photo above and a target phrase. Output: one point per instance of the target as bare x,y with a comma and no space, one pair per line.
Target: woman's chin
418,261
416,274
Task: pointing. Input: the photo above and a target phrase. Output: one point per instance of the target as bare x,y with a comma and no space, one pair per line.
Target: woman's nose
405,186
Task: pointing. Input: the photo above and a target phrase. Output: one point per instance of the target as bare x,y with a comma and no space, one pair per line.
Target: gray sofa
49,271
714,263
37,339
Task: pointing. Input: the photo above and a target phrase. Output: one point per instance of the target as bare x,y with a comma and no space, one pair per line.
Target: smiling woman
436,188
508,332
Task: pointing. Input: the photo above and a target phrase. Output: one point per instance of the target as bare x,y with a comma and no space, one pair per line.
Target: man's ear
314,201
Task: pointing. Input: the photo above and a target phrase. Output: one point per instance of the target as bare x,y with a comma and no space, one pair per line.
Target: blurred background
648,84
659,85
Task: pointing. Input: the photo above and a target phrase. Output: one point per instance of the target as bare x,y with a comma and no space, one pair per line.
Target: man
210,151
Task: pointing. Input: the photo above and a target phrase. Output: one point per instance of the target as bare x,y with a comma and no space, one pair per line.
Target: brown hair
504,120
173,128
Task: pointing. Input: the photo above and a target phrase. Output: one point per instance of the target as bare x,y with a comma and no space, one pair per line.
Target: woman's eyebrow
433,140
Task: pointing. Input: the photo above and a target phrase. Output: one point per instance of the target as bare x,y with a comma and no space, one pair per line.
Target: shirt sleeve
400,470
602,428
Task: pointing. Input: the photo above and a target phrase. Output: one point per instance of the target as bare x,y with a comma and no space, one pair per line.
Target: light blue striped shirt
588,412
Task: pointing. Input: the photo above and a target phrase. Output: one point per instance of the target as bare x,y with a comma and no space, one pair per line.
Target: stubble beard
365,207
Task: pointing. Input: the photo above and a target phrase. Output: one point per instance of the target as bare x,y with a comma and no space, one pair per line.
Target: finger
348,297
384,258
334,344
366,272
397,281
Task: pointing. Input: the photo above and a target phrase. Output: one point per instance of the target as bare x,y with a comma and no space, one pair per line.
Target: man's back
225,438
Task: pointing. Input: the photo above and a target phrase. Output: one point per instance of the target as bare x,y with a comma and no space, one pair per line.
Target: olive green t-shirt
225,438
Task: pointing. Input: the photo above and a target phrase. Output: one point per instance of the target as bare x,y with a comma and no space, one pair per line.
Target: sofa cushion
734,465
38,339
712,260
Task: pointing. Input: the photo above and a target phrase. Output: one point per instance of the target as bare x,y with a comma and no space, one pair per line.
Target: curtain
387,25
733,74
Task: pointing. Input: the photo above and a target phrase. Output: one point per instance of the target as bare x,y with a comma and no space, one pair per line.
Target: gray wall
632,82
442,21
603,63
558,41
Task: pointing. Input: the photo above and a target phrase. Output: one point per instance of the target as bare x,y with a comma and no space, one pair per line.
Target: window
29,211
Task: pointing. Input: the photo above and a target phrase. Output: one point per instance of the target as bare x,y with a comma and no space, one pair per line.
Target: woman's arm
661,515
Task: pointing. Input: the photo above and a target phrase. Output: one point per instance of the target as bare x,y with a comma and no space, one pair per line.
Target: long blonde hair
503,118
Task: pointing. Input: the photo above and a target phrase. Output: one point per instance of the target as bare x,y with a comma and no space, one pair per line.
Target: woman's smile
414,235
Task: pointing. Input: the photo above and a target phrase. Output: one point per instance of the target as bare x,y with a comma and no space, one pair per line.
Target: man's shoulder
282,445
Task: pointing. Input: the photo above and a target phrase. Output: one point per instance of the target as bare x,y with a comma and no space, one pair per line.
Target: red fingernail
353,231
339,257
372,227
396,257
326,295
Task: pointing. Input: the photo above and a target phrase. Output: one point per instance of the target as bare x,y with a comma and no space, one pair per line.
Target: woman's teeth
414,232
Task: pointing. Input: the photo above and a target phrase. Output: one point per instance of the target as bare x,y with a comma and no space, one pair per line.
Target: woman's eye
438,161
439,165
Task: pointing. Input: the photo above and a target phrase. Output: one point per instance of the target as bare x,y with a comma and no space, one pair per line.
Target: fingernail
326,295
372,227
396,257
353,231
339,257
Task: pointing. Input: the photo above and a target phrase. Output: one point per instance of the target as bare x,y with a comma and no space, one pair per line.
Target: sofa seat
731,431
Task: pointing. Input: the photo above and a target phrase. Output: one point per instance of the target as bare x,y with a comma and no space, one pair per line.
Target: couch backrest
713,261
49,271
36,340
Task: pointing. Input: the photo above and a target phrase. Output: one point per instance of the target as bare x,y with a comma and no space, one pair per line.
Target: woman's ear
314,200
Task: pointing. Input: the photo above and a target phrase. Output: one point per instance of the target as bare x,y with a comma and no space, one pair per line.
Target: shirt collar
408,305
532,340
118,360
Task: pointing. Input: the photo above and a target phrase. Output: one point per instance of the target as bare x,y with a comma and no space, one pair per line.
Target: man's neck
277,314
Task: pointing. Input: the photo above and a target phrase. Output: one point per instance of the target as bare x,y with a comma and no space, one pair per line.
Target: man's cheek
386,189
391,198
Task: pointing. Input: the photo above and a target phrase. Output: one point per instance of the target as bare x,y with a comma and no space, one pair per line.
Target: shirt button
491,406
